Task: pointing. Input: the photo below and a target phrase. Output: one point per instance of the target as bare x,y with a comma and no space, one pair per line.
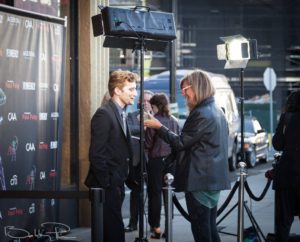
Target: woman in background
157,151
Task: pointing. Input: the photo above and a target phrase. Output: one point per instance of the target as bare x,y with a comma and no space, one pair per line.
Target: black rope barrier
262,195
228,199
180,208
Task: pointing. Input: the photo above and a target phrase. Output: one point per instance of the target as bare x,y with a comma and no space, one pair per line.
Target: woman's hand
152,122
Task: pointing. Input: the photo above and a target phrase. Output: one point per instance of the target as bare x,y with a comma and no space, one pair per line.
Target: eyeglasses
183,90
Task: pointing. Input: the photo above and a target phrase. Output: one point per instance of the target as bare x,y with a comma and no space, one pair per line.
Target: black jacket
287,140
110,150
204,139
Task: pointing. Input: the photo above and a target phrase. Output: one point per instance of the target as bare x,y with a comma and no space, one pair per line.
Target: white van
224,97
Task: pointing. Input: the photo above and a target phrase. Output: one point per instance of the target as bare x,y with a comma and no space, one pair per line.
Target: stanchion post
97,200
243,174
169,178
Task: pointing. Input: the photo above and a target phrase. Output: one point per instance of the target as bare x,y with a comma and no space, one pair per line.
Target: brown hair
118,79
200,83
161,101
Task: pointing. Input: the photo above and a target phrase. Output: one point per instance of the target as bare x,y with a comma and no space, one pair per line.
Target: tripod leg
254,223
227,214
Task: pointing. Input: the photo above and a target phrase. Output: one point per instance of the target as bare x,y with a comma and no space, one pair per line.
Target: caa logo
12,53
14,180
42,175
29,86
28,24
30,147
42,56
31,209
12,117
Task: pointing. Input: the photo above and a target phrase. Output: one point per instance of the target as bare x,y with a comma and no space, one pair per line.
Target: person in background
135,172
111,152
158,150
287,171
204,141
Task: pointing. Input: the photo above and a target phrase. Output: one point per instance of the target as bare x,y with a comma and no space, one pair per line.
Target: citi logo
43,116
42,175
14,180
31,209
27,54
28,24
12,53
44,27
53,145
13,20
43,146
12,117
29,180
14,212
29,86
10,84
29,116
29,147
55,115
43,85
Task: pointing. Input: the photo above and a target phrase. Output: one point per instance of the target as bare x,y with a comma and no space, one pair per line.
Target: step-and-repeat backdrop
32,57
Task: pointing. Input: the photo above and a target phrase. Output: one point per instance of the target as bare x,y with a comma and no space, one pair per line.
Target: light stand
122,28
237,51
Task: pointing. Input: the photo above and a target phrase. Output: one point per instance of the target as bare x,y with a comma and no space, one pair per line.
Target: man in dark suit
110,151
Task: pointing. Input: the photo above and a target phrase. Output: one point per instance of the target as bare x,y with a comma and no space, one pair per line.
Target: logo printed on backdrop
30,179
29,86
55,115
57,30
43,146
43,85
14,211
53,145
28,54
28,24
55,87
30,147
42,175
14,181
31,209
43,57
12,149
12,117
13,20
53,173
43,116
12,53
28,116
10,84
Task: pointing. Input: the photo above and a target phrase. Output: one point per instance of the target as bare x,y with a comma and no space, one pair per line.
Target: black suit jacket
110,150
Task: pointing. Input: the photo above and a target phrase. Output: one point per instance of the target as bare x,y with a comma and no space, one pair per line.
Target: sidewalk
263,212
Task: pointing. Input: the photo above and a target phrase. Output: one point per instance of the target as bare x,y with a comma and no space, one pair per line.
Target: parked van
224,97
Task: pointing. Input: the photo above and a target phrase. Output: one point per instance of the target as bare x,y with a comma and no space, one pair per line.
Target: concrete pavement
263,212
